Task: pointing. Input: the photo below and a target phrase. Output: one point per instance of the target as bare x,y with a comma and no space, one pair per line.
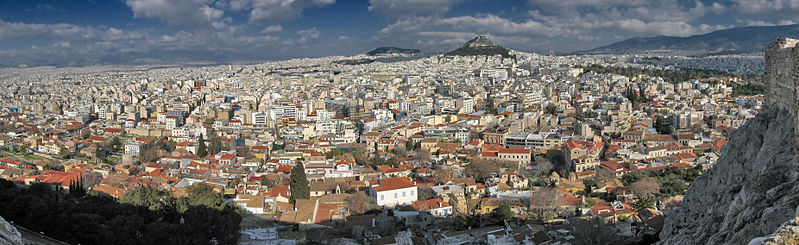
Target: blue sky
85,32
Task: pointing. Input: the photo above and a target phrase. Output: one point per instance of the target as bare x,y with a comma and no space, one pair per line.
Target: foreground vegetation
141,216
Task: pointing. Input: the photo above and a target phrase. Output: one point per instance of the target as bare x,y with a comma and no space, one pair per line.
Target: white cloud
596,19
11,30
437,33
472,24
276,10
194,13
782,12
272,28
308,34
402,8
68,44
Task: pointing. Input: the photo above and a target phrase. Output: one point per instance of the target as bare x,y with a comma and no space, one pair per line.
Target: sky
93,32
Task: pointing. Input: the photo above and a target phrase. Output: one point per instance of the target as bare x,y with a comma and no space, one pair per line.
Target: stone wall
781,76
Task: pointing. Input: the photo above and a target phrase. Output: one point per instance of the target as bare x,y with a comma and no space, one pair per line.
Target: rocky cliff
751,191
8,234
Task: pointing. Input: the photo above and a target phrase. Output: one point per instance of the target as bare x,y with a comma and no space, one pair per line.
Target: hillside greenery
748,89
673,181
141,216
392,50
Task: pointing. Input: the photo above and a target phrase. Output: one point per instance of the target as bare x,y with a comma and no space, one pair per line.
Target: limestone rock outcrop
8,234
752,190
788,233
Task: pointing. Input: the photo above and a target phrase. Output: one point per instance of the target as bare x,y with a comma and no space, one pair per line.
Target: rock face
479,41
752,190
8,234
788,233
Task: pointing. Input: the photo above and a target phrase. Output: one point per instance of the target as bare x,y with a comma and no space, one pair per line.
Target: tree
332,153
490,106
142,215
359,203
543,166
160,144
645,187
481,168
409,145
166,144
424,156
426,194
360,157
589,186
300,188
244,151
147,197
643,203
551,109
443,173
216,145
544,202
663,125
393,162
202,194
270,180
593,231
76,188
201,151
503,212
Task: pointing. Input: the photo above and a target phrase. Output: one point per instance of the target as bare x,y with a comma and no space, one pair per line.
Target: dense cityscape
386,149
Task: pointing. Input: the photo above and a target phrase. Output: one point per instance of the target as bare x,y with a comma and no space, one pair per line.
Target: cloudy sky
84,32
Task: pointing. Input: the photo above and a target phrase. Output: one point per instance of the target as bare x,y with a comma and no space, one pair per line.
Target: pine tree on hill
300,188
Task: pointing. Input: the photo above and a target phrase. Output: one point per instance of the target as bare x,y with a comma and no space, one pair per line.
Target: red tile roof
427,205
392,184
110,190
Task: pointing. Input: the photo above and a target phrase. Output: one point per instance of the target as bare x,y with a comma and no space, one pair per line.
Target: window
395,195
403,194
382,197
412,192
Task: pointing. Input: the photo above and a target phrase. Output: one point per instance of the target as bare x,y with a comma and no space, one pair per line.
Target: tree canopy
300,188
503,212
201,148
141,216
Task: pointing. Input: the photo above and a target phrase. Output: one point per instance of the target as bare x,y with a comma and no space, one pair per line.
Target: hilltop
480,45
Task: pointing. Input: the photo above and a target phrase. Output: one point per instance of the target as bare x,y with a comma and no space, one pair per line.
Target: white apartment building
393,191
259,119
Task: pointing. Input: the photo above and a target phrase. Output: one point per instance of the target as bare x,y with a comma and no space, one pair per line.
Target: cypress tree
300,188
201,151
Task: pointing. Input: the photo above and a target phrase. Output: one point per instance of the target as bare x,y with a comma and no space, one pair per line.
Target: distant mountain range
728,41
392,50
480,45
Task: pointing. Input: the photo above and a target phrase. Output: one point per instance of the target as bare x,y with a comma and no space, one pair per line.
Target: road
36,238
